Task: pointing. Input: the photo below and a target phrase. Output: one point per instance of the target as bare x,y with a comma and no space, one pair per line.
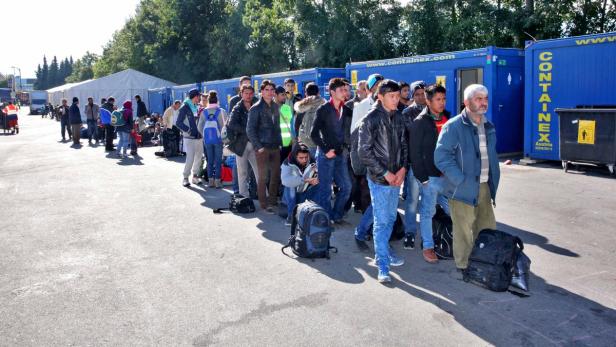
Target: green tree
82,68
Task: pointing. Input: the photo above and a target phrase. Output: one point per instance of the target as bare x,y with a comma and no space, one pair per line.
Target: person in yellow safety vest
286,116
11,112
290,100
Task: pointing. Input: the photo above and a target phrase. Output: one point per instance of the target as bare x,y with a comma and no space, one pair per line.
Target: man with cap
362,109
417,92
383,151
74,117
193,145
362,192
286,119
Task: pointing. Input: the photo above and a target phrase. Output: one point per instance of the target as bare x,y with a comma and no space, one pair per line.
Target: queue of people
390,140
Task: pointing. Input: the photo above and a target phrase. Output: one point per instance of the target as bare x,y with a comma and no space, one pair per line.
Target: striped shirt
483,150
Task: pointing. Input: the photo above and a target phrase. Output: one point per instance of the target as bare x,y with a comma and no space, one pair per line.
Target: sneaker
383,276
185,182
288,221
395,260
430,256
210,183
270,210
361,244
218,183
196,180
409,242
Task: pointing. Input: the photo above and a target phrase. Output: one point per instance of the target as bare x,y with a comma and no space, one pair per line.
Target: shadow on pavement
537,240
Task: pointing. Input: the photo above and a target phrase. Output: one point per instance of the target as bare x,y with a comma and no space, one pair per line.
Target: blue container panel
181,92
320,76
565,73
156,101
226,89
502,76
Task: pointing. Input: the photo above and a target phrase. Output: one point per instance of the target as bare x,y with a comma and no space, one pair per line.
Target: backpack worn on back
442,234
310,231
211,130
117,118
493,258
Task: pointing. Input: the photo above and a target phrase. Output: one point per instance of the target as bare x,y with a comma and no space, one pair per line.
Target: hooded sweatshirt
127,112
292,174
306,111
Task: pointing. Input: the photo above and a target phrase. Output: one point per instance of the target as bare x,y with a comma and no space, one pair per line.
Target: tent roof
127,79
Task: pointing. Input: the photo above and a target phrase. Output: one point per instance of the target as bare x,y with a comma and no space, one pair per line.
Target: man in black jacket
244,81
423,136
263,131
106,120
243,149
74,117
65,125
383,151
331,132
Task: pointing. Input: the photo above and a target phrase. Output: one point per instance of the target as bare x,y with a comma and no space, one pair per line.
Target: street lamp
20,76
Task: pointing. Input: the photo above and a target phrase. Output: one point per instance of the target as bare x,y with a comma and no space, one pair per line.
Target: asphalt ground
96,250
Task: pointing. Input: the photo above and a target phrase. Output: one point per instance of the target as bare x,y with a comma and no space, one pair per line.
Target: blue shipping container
320,76
226,89
181,92
499,69
565,73
159,99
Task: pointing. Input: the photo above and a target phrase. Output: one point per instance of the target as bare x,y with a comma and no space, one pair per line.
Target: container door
445,78
507,109
466,77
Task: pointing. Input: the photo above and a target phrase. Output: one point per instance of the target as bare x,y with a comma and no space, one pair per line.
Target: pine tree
45,74
53,73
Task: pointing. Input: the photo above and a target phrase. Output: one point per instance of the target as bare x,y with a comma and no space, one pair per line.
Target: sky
58,27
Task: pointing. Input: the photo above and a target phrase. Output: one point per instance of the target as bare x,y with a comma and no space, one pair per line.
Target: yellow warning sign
354,77
440,80
586,132
256,86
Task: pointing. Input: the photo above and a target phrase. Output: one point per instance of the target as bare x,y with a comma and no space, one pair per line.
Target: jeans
385,209
411,187
364,224
333,171
236,185
194,154
431,194
65,127
292,198
92,130
268,161
123,141
213,154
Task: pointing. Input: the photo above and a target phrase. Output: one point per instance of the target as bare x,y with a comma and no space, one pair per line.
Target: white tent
123,85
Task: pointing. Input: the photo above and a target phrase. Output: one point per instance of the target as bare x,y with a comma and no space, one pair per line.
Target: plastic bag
521,272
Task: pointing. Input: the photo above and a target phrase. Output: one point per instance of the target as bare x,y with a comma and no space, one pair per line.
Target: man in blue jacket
187,121
466,155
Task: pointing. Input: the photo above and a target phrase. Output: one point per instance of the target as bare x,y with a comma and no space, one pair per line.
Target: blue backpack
211,129
310,232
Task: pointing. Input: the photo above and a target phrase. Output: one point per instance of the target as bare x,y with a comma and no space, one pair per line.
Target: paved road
100,251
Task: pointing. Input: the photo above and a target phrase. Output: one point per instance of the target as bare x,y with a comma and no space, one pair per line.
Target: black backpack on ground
310,232
238,204
442,234
396,234
493,259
